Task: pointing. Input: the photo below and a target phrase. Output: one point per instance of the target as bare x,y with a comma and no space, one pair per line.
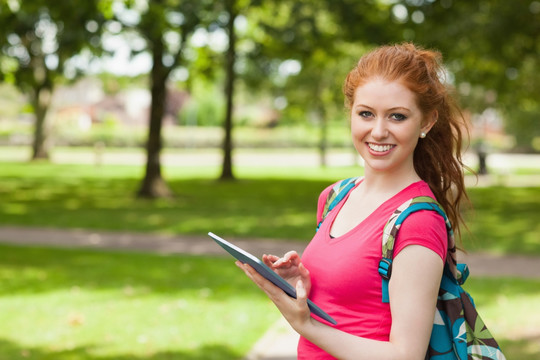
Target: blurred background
166,119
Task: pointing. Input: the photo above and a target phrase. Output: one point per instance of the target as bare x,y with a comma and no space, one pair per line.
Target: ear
429,122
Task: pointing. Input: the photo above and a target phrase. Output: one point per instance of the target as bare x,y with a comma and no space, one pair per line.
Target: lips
380,148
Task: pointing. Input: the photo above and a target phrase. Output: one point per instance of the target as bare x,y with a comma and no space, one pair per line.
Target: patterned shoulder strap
336,194
458,332
390,233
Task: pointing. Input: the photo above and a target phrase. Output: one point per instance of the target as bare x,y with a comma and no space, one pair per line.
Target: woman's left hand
295,311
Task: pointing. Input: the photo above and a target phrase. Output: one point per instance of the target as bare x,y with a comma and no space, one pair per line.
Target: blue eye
365,114
398,116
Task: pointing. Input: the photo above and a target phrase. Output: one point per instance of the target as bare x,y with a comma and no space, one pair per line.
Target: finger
304,272
248,270
301,293
269,260
266,260
294,258
289,258
241,266
290,255
266,285
272,257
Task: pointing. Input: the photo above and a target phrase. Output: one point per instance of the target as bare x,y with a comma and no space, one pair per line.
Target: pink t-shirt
344,270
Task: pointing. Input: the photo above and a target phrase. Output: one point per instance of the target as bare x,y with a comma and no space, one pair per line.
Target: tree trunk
41,102
227,171
153,185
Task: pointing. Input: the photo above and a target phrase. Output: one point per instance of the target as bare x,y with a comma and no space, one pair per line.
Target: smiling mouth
380,148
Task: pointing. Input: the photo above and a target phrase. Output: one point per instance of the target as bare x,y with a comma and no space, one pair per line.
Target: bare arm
413,291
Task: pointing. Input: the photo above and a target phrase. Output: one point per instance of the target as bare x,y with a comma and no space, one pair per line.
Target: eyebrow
391,109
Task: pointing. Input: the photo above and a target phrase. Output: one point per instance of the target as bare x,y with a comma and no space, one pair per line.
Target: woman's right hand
290,268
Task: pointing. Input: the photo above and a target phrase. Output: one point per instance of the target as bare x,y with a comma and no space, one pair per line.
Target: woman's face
386,124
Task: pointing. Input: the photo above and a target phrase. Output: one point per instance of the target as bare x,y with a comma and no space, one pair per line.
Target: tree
491,49
230,77
289,40
165,26
323,39
40,36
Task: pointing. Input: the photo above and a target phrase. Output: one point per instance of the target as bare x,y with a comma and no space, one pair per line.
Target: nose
379,130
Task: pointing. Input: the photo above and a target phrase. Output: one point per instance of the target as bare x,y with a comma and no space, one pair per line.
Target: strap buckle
385,268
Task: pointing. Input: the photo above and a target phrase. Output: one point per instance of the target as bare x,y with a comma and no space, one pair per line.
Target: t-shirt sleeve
425,228
322,201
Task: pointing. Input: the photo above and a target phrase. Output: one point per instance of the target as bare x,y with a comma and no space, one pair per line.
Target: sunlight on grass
82,305
504,220
118,323
277,203
508,307
71,304
14,209
75,304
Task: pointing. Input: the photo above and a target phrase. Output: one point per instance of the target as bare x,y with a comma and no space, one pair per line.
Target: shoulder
324,194
426,228
322,200
423,221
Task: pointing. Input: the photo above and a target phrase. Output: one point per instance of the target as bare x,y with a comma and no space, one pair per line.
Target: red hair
437,157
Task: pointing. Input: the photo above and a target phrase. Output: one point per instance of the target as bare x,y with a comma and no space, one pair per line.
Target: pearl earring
422,135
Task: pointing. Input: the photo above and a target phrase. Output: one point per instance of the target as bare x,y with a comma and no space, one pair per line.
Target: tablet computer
268,273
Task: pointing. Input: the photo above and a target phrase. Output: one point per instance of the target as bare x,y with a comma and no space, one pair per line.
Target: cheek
358,135
357,128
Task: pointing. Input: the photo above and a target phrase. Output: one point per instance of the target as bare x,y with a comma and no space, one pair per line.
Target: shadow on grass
12,351
504,220
61,196
32,270
254,208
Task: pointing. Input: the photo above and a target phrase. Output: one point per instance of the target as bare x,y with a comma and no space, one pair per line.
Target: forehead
384,93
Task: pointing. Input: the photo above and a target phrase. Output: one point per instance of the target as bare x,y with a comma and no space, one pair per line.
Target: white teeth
379,148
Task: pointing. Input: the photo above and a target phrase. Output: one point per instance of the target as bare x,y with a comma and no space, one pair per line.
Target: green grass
508,307
276,203
504,220
77,304
74,304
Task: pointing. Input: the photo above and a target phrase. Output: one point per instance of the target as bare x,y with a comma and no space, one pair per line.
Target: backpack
458,331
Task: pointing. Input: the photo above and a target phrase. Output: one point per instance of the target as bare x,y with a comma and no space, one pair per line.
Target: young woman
407,129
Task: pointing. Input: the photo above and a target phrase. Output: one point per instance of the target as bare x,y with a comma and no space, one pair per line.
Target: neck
384,182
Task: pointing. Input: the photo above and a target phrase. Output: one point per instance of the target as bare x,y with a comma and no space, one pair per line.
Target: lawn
73,304
265,203
508,307
76,304
60,304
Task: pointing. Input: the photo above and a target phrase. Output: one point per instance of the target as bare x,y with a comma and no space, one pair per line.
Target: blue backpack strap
338,193
391,229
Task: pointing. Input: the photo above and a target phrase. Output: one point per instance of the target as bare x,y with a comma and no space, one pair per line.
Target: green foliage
490,46
205,107
41,36
11,102
75,304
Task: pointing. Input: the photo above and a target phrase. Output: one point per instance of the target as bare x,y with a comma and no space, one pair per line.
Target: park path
480,264
279,343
